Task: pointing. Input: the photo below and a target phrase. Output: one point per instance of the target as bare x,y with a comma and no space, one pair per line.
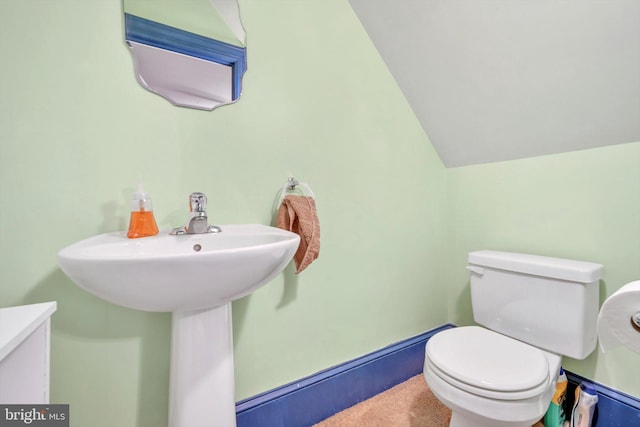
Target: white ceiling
494,80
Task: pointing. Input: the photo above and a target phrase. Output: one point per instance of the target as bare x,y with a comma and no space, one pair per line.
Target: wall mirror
191,52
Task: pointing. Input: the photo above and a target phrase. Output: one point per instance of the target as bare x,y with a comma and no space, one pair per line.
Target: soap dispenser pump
142,222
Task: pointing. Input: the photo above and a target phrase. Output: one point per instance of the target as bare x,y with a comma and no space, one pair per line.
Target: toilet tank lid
557,268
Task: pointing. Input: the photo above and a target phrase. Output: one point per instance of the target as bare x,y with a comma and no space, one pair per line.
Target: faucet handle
197,202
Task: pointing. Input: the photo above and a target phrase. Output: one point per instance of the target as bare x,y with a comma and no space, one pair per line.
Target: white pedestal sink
194,276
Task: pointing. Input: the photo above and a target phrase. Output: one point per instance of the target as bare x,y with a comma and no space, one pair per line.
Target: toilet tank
550,303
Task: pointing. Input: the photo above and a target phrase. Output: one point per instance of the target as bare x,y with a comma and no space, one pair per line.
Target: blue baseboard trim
317,397
614,408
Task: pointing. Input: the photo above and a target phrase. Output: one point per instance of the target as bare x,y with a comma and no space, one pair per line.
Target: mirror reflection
191,52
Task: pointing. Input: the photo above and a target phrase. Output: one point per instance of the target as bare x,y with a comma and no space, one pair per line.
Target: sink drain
197,247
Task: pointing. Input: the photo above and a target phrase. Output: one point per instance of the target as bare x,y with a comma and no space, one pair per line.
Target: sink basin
177,273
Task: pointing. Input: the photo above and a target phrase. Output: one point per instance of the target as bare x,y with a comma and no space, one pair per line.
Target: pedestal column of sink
201,381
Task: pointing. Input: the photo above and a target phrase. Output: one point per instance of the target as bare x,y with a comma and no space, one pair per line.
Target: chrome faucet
198,223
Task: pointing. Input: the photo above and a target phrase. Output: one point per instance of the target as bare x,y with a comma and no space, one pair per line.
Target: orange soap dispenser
142,222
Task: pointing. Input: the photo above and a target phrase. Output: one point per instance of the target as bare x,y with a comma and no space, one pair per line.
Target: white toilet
535,309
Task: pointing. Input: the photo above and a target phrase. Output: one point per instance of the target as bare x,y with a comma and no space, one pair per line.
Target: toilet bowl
489,380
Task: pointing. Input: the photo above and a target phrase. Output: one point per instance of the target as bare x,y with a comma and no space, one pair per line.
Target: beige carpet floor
409,404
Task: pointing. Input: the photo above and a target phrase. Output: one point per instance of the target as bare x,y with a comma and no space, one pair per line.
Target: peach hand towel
298,215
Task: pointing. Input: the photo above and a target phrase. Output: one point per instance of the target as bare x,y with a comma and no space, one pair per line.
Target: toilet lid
485,360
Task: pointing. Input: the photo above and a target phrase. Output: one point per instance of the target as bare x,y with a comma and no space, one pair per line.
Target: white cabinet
24,353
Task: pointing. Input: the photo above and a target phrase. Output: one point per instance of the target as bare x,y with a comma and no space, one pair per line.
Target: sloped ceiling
494,80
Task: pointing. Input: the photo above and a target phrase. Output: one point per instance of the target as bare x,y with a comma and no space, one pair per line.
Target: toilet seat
488,364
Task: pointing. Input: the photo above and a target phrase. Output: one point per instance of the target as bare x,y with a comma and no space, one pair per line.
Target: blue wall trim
614,408
162,36
314,398
317,397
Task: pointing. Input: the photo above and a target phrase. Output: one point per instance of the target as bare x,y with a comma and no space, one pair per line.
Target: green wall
581,205
77,131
